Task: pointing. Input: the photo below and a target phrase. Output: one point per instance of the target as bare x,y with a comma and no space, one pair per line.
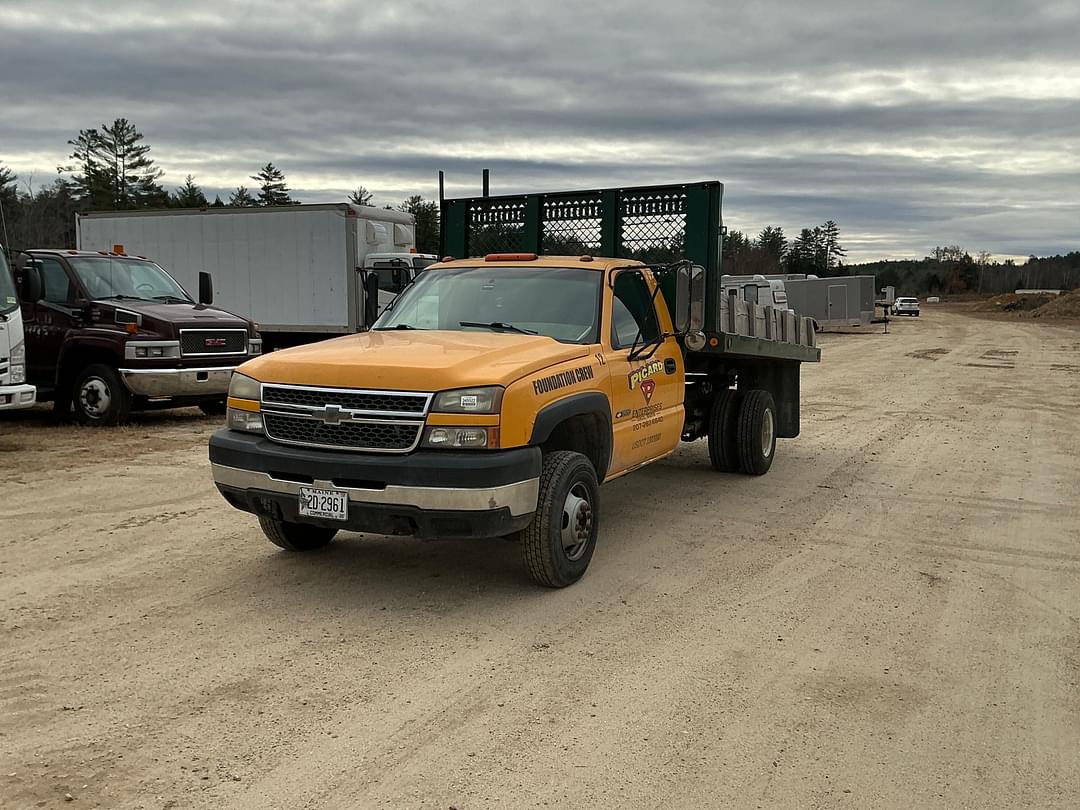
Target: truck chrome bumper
17,396
177,382
520,497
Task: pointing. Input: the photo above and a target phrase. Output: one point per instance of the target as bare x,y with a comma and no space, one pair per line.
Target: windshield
110,276
559,302
8,299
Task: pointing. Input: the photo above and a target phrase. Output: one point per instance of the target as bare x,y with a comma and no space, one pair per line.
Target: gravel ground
890,618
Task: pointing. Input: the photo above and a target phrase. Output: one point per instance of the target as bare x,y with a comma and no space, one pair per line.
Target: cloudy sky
911,123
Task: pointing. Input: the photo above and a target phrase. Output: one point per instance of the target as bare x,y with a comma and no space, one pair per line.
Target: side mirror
689,314
206,289
31,288
371,298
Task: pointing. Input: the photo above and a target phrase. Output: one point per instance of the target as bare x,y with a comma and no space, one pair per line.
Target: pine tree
217,203
7,186
130,171
360,197
426,218
88,183
241,198
830,244
272,188
772,241
112,168
189,195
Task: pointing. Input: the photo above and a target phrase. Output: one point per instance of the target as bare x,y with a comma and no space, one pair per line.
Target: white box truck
299,271
15,392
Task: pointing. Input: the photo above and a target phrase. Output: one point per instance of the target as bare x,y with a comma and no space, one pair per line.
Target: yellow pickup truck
494,397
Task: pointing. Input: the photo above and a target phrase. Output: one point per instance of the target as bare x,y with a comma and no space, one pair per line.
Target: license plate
324,503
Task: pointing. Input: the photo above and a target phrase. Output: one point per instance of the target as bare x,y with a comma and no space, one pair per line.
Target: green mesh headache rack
653,224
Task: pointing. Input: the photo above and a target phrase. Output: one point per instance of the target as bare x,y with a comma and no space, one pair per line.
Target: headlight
469,400
17,368
243,387
457,438
249,421
152,349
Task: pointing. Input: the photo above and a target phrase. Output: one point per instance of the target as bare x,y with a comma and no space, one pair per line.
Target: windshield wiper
173,299
121,297
396,326
498,326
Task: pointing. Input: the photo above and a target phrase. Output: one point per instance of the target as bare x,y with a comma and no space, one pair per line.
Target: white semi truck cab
14,391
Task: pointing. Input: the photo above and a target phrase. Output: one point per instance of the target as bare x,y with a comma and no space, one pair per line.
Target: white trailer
292,269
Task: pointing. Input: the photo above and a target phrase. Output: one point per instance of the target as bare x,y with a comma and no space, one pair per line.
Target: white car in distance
906,306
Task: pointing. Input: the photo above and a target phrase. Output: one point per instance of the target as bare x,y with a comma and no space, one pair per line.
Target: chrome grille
195,342
344,418
386,435
383,402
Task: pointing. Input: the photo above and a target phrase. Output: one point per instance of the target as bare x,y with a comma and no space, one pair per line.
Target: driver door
646,391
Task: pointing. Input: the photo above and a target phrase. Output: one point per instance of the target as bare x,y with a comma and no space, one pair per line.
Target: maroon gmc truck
111,333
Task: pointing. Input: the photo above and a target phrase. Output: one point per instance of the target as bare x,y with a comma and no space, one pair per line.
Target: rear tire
756,432
296,536
723,453
559,543
100,396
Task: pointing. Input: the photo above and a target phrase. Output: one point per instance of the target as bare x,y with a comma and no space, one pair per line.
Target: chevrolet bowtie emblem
331,414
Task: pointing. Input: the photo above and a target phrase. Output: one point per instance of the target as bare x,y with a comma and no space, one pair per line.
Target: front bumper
494,493
178,382
13,397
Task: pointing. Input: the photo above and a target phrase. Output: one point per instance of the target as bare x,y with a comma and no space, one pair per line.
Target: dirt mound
1011,302
1062,306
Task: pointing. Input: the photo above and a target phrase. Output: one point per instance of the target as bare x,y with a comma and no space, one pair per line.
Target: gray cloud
912,125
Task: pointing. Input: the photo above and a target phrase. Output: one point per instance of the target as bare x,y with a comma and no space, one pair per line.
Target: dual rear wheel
742,431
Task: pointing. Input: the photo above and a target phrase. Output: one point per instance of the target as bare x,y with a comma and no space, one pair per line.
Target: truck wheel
100,396
559,542
723,452
296,536
215,408
756,432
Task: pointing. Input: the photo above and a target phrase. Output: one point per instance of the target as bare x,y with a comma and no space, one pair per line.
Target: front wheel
100,396
296,536
559,543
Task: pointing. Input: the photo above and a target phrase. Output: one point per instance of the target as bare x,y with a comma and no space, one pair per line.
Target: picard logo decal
639,375
546,385
647,388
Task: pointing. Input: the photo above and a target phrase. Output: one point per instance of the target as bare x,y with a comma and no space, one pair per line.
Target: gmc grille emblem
214,343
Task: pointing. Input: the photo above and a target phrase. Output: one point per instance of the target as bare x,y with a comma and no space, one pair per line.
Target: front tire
296,536
756,432
559,543
100,396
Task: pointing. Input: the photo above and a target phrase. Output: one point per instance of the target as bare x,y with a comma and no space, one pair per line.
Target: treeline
815,250
110,169
952,270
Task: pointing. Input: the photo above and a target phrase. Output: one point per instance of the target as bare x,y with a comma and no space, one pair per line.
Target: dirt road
890,618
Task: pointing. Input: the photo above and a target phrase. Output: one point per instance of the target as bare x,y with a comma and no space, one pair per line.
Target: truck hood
413,360
165,320
184,316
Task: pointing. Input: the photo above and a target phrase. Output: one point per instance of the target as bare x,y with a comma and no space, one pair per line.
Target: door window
392,276
632,314
55,282
750,293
